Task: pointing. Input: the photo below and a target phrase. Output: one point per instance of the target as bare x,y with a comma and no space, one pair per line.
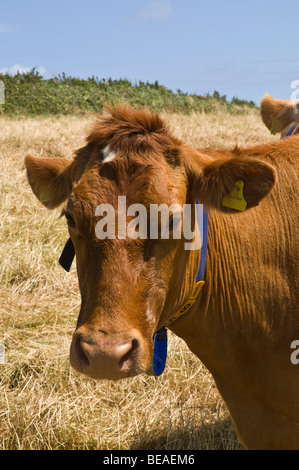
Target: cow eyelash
69,219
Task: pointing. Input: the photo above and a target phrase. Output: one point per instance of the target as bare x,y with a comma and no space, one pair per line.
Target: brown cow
245,321
280,115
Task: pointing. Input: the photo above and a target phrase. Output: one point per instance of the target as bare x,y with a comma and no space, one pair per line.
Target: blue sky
238,48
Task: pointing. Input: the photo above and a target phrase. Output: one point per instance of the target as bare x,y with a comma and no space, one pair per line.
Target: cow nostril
81,355
128,357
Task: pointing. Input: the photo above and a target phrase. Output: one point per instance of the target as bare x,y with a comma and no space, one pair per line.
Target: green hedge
29,94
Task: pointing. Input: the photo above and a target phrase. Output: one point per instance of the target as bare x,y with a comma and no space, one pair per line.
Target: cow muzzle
105,355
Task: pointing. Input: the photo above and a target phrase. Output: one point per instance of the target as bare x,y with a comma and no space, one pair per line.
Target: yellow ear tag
275,126
43,197
235,200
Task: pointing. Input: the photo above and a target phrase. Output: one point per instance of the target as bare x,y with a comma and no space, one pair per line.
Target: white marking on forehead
108,155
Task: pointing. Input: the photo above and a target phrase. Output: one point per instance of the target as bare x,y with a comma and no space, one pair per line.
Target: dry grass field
44,404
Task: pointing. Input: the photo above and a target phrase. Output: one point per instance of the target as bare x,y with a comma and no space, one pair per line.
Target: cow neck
160,337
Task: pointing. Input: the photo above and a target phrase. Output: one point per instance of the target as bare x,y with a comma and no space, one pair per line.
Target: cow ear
233,184
49,178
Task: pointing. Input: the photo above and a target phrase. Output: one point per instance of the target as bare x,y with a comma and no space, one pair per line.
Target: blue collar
291,130
160,337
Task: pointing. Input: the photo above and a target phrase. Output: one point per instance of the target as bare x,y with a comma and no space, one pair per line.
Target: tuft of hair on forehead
129,129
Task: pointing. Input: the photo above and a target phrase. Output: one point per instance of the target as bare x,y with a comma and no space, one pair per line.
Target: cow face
131,277
123,274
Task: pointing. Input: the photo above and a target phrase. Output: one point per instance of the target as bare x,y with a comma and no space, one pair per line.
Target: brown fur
279,115
247,316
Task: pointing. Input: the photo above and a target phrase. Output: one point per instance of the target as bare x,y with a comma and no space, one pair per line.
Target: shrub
30,94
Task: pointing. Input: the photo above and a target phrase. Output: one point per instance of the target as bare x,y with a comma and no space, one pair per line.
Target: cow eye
147,252
70,220
174,226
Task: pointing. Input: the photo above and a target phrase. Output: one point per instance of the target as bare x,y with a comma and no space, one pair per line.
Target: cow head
131,285
280,115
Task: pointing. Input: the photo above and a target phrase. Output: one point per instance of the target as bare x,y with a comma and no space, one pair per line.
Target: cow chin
113,356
